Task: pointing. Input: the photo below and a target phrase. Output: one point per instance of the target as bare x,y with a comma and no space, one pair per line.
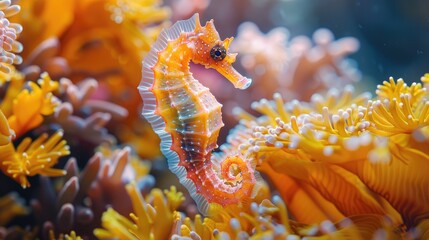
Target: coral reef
308,155
105,40
80,197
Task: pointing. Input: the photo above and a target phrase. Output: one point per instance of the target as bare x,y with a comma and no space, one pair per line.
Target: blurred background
393,34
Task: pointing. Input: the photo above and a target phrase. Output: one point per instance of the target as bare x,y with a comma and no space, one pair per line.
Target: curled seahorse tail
230,183
236,169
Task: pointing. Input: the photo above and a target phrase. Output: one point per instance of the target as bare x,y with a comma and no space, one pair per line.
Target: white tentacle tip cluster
9,33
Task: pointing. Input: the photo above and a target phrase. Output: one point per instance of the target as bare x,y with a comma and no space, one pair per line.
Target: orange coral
336,153
101,39
346,167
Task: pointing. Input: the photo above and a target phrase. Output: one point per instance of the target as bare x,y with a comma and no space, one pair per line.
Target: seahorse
187,117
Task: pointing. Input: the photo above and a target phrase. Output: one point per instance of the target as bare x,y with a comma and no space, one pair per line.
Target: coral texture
308,155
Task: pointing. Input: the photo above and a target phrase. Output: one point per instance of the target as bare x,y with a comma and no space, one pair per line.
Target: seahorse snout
243,83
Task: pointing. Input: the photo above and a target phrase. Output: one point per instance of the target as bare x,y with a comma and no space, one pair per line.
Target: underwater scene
214,119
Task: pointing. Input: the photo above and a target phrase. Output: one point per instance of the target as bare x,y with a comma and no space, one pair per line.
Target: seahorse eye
218,53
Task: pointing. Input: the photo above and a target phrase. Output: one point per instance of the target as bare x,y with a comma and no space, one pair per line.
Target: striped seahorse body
187,117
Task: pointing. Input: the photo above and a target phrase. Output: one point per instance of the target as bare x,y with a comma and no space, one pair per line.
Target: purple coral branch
44,58
70,114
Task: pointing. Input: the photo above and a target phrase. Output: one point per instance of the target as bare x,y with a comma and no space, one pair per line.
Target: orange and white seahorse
187,117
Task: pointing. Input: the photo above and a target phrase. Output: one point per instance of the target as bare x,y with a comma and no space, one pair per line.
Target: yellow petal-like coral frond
32,104
16,83
114,226
5,132
33,157
334,184
402,184
152,218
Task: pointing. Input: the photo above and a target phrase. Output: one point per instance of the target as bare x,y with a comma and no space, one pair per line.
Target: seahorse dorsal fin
197,22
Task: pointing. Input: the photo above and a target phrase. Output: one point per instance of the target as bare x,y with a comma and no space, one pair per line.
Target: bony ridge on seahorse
187,117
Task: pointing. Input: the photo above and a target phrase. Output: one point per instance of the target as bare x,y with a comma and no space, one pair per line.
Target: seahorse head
212,52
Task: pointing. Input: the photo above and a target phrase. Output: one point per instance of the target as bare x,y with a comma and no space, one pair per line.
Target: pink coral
295,64
83,117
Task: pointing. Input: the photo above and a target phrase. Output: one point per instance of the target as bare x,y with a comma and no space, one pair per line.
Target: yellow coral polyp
11,206
115,226
327,136
394,89
71,236
321,153
174,198
399,108
151,219
270,220
33,157
317,129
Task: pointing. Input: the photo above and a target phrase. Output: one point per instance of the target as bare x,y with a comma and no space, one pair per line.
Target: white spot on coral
327,226
328,151
420,135
278,144
352,143
332,139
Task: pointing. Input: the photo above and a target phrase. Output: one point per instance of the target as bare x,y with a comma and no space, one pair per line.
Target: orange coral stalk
305,203
349,197
393,181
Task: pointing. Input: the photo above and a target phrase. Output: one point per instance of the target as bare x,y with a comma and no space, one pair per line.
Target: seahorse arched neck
188,118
